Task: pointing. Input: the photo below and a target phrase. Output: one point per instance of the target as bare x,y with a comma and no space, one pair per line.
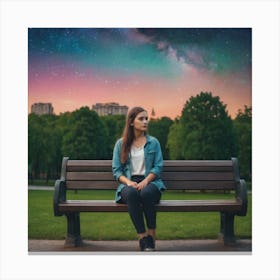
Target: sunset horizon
172,114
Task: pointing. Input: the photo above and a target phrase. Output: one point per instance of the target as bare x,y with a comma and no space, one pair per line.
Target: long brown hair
128,132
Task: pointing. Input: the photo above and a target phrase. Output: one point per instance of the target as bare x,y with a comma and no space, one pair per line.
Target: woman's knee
150,193
130,194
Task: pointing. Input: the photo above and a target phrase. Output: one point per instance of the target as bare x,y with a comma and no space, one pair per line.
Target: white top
137,161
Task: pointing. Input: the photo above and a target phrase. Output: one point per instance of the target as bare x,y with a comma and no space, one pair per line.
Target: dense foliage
203,131
160,129
243,128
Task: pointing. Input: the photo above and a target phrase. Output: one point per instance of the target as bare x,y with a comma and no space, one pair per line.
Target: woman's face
141,121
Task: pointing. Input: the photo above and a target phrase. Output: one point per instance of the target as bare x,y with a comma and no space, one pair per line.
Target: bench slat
166,163
200,176
165,168
106,165
171,185
92,185
198,162
90,176
164,206
196,168
174,176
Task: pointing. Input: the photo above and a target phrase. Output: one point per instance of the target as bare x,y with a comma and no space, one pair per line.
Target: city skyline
158,68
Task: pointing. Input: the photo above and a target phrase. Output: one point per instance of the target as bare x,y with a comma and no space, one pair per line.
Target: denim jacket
153,163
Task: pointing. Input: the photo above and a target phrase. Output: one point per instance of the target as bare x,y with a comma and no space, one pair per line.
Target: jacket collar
148,139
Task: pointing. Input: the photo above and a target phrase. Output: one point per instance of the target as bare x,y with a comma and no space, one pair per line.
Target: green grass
117,226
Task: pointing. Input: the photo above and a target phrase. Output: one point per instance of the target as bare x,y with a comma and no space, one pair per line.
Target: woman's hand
127,182
132,184
146,181
142,184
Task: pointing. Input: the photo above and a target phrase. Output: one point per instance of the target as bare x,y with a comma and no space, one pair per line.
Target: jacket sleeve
158,160
117,166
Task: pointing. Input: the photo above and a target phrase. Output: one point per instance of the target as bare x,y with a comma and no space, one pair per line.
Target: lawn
117,226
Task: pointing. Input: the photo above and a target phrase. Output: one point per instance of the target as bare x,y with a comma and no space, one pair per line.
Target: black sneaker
150,243
143,243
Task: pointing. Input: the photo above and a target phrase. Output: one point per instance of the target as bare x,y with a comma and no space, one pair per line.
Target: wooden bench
220,175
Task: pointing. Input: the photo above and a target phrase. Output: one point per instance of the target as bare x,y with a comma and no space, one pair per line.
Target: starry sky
157,68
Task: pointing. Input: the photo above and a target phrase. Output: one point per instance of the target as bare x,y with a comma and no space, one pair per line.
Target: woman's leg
131,197
150,195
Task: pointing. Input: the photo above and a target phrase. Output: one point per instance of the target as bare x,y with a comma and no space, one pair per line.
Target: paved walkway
164,246
42,188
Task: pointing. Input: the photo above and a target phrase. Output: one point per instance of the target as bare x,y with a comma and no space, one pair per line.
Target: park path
43,188
243,246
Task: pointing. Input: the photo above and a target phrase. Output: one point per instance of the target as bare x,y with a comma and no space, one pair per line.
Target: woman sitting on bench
137,164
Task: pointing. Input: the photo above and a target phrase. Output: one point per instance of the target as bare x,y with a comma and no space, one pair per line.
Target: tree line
203,131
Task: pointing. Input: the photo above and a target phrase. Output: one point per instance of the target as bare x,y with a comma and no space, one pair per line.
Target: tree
35,142
52,138
243,128
84,139
114,125
43,146
160,129
175,140
206,130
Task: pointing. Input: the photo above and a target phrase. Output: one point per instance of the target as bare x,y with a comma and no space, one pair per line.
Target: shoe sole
149,249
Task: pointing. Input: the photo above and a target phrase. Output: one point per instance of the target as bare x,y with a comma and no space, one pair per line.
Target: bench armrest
59,195
241,194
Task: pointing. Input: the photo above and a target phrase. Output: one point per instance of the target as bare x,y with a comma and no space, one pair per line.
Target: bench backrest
176,174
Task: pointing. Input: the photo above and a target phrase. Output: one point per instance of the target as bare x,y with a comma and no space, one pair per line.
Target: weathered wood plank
166,163
90,168
164,205
171,185
200,185
90,176
92,185
93,168
174,176
197,176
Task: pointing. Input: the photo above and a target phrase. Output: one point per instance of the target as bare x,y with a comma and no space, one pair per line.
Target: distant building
104,109
42,109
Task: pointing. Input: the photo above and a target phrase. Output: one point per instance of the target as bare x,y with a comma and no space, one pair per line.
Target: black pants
141,202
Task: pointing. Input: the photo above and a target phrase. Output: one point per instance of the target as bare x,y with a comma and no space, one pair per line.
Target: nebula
157,68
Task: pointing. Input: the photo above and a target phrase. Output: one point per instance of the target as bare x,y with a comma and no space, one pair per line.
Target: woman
137,164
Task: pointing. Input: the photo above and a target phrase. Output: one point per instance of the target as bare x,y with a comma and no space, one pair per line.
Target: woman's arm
116,161
158,160
156,169
127,182
118,167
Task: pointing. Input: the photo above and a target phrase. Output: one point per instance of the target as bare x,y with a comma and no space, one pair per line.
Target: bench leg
73,238
227,228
